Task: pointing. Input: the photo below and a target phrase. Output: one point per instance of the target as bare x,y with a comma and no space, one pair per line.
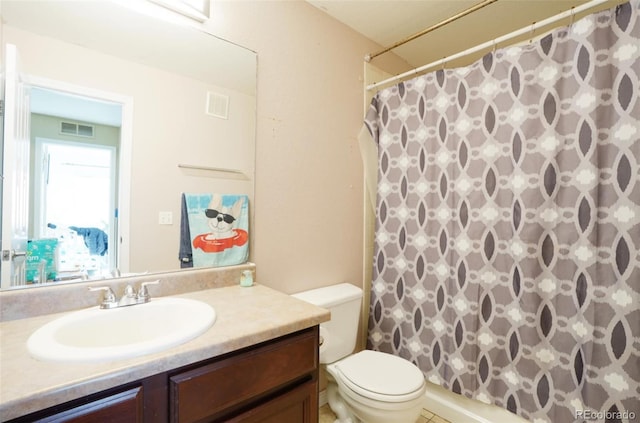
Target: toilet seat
380,376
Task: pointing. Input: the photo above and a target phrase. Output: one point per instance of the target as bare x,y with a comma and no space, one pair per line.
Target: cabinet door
122,407
300,405
209,392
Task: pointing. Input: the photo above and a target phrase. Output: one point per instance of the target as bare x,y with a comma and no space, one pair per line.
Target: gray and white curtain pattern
507,246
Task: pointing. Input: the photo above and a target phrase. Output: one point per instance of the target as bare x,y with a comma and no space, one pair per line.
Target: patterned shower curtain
507,246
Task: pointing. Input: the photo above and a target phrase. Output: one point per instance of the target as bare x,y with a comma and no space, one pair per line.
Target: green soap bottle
246,279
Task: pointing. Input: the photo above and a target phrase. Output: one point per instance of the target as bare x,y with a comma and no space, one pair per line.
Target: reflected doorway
74,183
75,195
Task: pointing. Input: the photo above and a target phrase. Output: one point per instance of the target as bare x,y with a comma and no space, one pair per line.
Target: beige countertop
245,316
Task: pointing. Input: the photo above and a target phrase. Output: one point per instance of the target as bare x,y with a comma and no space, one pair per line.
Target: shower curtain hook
533,30
495,45
572,17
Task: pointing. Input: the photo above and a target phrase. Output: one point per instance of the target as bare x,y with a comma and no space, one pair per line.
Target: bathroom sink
95,334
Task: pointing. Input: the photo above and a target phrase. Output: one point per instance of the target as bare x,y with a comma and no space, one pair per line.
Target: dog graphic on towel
220,220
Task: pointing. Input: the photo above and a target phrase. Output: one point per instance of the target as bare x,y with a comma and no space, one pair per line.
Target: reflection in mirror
74,178
122,123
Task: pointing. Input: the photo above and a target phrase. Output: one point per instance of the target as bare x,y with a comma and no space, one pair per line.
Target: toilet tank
338,335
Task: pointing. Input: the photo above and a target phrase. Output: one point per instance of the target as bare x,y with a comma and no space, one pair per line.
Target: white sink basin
95,334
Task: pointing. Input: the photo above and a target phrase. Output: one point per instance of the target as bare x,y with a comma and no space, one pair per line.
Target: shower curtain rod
492,43
447,21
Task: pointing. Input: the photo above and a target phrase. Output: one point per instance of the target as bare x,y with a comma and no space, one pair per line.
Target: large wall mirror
117,114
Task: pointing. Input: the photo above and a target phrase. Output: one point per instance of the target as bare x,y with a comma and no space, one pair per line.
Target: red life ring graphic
218,245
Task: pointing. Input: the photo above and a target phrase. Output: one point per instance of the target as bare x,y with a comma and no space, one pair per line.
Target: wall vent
217,105
77,129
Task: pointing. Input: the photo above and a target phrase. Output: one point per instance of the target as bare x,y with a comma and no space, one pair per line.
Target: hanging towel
214,230
186,253
95,239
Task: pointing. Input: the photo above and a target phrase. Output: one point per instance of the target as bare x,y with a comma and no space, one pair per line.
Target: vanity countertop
245,317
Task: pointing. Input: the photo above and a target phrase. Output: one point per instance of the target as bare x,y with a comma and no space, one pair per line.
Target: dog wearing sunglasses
220,220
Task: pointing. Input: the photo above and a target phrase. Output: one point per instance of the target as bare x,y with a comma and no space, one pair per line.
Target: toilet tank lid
329,296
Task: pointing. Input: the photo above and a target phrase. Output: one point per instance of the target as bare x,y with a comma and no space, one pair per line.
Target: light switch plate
165,218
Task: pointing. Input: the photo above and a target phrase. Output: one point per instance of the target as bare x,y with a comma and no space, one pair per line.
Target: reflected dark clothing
186,253
95,239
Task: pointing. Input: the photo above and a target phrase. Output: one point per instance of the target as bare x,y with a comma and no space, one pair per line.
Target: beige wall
309,175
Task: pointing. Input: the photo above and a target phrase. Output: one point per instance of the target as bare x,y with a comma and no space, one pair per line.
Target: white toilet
369,386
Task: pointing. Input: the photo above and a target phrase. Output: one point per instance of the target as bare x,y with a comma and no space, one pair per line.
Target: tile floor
428,417
327,416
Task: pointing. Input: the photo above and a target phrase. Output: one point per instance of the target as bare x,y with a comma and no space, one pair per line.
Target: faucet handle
143,292
129,292
109,299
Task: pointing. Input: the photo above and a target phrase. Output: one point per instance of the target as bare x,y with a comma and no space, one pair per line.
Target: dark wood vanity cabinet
272,382
227,385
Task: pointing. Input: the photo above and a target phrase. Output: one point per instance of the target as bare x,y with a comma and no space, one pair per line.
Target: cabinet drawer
121,407
299,405
221,385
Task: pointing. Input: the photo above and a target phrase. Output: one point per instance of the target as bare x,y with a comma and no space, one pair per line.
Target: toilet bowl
368,386
378,388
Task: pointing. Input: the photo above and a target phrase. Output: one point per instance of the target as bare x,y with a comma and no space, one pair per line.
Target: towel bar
237,173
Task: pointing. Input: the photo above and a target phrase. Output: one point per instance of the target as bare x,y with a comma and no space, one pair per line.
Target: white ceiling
389,21
76,108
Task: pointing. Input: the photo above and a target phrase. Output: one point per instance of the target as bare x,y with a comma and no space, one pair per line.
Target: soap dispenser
246,279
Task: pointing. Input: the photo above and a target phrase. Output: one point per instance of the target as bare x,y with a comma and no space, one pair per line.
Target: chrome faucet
130,297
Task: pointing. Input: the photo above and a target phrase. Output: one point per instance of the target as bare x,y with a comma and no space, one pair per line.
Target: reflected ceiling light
194,9
174,11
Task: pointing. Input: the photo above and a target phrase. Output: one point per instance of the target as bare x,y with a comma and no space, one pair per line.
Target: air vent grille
77,129
217,105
